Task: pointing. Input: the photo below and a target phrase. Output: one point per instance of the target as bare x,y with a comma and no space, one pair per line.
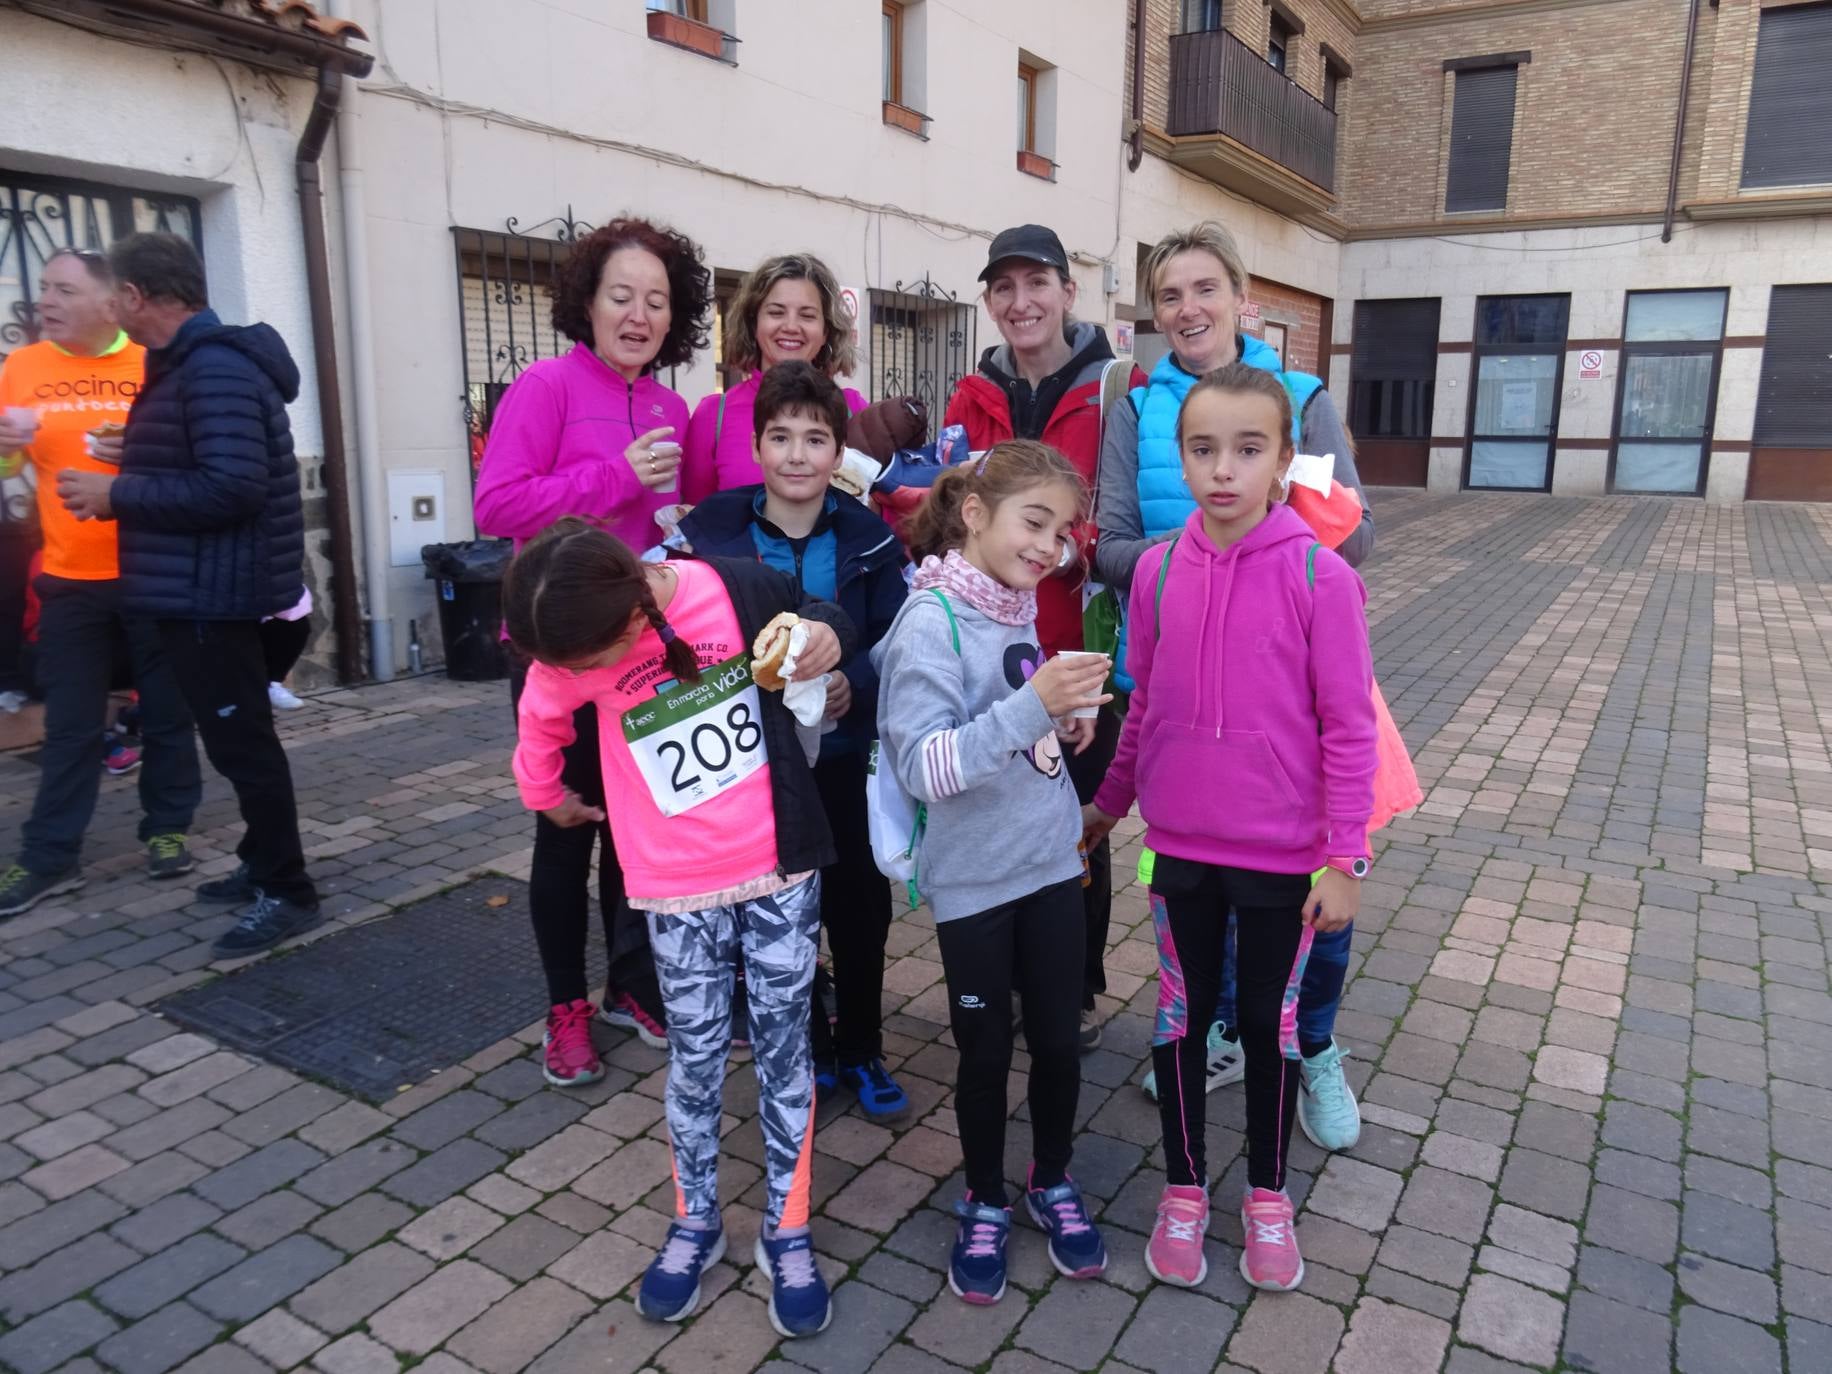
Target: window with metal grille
1481,138
1394,368
39,215
1794,405
1789,138
922,344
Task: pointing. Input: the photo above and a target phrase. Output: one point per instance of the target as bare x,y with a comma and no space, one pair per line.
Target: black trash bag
469,577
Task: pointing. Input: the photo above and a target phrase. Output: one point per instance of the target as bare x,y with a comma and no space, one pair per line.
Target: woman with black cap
1045,381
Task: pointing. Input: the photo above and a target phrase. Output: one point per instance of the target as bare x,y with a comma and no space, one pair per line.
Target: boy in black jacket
834,548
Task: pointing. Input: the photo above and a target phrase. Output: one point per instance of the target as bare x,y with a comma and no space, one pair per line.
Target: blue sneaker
826,1080
1327,1109
976,1270
671,1285
799,1305
878,1092
1076,1248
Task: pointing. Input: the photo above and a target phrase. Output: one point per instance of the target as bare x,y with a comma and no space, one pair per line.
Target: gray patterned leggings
778,938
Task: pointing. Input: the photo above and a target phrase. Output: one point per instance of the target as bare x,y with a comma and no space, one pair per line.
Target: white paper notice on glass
1520,407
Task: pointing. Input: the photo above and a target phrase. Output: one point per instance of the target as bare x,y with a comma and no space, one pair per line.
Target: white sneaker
282,699
11,702
1227,1063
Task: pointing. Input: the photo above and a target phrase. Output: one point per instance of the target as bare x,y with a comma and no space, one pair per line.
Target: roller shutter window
1394,368
1794,405
1481,136
1789,138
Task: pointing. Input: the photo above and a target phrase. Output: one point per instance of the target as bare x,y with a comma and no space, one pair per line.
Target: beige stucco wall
469,120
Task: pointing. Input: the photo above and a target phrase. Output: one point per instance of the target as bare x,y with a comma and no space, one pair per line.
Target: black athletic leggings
1189,908
1034,945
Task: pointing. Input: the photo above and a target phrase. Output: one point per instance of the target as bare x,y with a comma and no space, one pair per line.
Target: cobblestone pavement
1590,1025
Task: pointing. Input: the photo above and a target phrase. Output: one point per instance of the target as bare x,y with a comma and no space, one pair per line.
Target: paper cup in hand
1082,712
667,448
26,418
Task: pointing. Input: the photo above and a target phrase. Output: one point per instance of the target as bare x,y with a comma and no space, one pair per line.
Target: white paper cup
26,416
668,449
1082,712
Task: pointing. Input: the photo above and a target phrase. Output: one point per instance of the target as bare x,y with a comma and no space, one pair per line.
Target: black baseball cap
1031,242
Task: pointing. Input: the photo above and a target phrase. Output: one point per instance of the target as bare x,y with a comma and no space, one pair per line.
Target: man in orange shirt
84,372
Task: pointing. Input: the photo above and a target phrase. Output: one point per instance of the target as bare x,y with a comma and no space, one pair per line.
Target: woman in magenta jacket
787,310
592,433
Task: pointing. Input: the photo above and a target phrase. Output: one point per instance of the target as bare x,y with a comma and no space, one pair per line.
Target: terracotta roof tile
295,16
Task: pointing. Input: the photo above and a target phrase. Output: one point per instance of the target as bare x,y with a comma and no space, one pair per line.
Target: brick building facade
1532,289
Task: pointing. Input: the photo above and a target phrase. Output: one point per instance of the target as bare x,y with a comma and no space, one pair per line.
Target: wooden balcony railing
1218,85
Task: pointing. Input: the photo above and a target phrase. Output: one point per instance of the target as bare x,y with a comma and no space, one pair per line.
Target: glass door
1519,362
1672,343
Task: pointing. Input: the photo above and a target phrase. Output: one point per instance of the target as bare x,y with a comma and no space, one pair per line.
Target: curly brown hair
689,285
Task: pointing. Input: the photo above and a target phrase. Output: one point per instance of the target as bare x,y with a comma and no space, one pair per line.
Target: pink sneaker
1174,1253
1271,1259
569,1061
626,1013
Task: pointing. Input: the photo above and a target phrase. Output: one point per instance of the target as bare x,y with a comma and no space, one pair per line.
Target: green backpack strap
718,425
1157,600
954,626
1310,565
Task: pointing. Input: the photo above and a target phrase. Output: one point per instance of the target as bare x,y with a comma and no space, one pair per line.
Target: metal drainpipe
372,485
324,357
1679,124
1138,86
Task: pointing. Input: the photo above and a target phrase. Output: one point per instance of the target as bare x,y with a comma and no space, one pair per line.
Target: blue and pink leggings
1189,906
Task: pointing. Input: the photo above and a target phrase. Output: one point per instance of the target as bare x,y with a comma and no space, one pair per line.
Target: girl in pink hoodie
1249,747
788,309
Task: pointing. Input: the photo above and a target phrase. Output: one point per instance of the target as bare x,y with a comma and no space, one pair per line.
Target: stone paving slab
1589,1019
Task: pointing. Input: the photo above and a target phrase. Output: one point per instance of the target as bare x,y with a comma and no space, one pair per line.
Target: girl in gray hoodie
973,722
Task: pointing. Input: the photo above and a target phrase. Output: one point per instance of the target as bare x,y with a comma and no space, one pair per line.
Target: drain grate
385,1004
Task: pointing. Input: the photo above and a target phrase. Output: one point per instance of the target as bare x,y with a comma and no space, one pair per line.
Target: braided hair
573,591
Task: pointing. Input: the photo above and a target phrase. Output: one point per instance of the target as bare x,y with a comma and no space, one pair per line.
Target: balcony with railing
1222,92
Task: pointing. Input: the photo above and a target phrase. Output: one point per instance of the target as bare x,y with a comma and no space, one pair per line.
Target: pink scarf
986,594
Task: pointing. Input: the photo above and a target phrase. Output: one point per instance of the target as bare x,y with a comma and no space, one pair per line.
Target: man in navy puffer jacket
212,539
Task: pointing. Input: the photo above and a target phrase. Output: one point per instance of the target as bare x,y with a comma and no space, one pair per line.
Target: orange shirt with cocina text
72,395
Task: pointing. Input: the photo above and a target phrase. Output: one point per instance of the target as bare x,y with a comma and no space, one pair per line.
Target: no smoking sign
1590,364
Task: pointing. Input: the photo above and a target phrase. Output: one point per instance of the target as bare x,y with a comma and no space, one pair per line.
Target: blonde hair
836,357
1006,469
1207,237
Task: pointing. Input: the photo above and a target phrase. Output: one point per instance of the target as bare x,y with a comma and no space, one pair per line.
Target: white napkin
867,468
807,701
1310,470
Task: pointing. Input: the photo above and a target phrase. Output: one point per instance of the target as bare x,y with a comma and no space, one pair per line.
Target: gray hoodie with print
967,735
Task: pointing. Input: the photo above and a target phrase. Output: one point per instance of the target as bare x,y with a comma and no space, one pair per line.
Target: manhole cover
387,1003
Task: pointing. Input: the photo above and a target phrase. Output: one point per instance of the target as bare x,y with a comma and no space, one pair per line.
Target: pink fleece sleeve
854,402
1119,789
518,492
1342,679
699,463
544,726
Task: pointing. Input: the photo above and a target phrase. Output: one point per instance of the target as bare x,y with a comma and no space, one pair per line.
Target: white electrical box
416,513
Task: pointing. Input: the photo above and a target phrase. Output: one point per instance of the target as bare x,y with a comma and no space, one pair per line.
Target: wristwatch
1354,868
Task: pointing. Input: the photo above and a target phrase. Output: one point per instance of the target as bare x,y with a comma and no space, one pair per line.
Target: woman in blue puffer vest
1197,283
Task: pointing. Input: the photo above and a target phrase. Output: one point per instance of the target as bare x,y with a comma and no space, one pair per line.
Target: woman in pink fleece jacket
1249,747
788,309
589,434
